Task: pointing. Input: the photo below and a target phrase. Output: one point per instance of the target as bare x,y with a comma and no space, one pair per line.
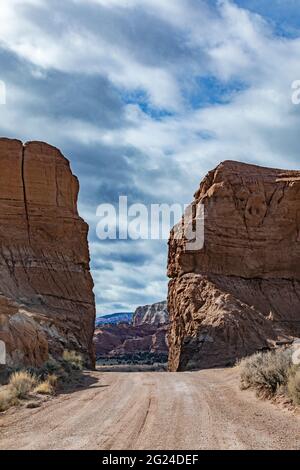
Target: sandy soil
154,410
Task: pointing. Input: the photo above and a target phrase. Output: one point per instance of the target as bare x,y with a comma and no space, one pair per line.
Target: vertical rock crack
24,193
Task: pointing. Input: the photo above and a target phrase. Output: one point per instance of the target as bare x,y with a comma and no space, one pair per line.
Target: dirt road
160,411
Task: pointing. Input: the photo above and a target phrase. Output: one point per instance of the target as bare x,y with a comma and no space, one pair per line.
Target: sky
144,97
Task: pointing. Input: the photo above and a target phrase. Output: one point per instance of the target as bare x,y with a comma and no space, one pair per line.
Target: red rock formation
46,297
155,314
123,339
146,334
241,292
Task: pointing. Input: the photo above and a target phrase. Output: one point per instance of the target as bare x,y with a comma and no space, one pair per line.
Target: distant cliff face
156,314
120,340
46,290
241,292
147,333
114,319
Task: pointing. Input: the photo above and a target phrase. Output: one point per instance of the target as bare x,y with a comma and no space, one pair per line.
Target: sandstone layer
117,341
240,292
147,333
46,290
155,314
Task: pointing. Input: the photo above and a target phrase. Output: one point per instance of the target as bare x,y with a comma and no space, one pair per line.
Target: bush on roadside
266,372
74,359
53,380
293,385
52,366
44,388
23,383
8,398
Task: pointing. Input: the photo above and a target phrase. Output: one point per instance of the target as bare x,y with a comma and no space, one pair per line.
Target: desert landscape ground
153,411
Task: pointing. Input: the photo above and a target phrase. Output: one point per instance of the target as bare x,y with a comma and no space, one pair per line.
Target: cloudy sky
144,97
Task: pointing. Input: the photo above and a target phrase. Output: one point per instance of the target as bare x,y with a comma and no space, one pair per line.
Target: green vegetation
139,358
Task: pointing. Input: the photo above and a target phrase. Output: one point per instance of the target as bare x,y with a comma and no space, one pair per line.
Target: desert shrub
293,385
74,359
51,366
266,372
8,398
23,383
52,379
44,388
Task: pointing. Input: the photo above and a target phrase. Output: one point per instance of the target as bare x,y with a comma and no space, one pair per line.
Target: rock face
156,314
114,319
146,334
46,290
112,341
241,291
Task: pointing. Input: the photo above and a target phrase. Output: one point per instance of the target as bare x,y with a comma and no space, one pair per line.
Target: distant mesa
155,314
145,333
241,292
114,318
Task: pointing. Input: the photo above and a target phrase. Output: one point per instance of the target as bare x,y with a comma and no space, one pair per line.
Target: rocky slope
114,318
241,292
123,339
155,314
46,290
146,334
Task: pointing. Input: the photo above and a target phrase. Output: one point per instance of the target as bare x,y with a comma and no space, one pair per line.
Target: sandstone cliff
241,292
46,290
155,314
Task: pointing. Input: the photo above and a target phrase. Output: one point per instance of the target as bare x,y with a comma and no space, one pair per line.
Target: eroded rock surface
155,314
112,341
46,290
241,291
146,334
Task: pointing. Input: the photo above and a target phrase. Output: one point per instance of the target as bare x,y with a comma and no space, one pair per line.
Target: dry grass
74,359
266,372
293,385
22,383
8,398
26,384
53,380
44,388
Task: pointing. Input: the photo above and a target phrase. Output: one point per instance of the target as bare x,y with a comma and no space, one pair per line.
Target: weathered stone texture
46,290
241,292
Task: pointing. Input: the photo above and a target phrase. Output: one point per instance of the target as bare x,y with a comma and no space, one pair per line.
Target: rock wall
241,292
155,314
113,341
46,290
